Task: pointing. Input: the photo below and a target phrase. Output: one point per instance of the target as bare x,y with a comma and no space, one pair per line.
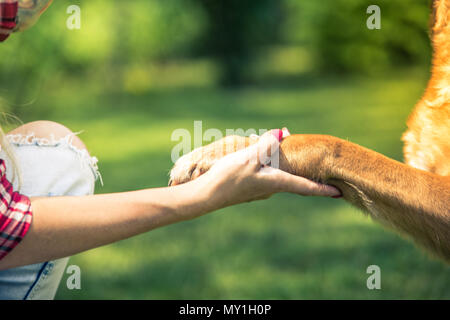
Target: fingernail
277,133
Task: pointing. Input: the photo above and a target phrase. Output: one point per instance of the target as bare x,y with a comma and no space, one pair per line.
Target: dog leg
412,201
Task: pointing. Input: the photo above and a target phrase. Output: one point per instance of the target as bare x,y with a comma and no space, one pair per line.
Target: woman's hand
66,225
245,176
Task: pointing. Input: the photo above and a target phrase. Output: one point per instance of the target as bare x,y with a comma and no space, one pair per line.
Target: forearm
63,226
412,201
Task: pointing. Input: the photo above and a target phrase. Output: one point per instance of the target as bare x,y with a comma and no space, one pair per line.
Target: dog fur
412,198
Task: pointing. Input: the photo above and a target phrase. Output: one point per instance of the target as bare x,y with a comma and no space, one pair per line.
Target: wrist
192,199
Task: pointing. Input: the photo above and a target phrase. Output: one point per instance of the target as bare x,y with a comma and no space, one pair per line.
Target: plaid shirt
8,17
15,214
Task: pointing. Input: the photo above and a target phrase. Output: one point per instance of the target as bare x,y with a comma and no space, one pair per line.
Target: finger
260,153
286,182
267,146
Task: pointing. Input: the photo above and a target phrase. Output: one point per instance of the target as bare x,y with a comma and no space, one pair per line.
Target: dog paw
200,160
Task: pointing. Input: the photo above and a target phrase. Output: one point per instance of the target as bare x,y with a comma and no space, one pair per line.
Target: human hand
245,176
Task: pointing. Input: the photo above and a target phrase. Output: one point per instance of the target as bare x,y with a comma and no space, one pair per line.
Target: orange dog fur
413,198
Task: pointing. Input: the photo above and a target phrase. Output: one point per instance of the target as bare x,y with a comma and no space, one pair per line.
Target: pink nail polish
277,133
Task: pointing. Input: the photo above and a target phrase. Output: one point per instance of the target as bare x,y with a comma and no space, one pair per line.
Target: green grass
287,247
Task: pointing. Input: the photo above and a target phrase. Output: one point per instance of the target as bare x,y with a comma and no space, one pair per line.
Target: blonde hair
6,147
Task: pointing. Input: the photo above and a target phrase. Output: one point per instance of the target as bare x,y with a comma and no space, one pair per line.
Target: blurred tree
137,34
236,29
336,32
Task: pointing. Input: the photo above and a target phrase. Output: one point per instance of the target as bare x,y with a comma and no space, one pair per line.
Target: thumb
267,147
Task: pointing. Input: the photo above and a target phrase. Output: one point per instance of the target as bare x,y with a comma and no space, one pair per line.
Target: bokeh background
139,69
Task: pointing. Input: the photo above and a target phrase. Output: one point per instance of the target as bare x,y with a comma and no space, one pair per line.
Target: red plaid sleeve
15,214
8,18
